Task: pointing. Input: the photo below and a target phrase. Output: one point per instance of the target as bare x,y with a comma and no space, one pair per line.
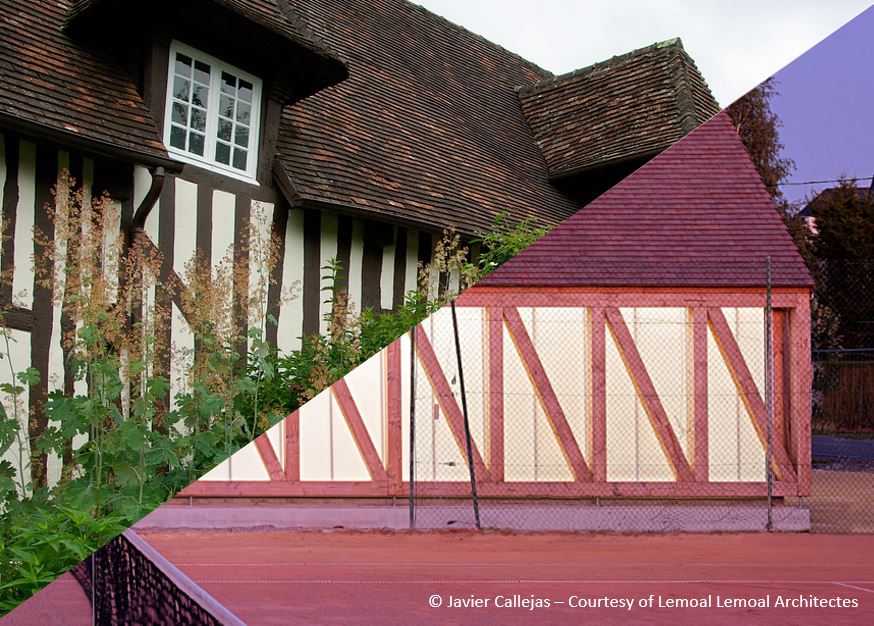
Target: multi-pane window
212,113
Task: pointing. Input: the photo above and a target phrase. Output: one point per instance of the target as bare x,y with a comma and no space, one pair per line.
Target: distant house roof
697,215
634,105
826,195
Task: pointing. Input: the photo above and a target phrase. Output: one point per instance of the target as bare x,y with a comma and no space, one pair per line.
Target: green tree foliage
844,222
844,248
759,129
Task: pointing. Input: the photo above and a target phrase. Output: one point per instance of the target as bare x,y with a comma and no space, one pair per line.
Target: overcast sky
736,44
825,103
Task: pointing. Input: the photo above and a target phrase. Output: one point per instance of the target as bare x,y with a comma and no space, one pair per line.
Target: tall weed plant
122,444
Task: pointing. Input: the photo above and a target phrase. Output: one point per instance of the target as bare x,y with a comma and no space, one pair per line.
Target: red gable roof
696,215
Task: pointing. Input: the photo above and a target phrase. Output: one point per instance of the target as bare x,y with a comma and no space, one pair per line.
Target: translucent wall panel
735,451
633,450
438,454
316,435
662,338
327,448
247,465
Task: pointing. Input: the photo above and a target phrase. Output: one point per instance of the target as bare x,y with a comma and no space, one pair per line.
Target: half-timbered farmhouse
358,130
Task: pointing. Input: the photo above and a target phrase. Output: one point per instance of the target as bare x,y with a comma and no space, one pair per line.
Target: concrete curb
508,517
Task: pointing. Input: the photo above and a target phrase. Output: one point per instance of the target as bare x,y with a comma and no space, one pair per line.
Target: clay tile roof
53,84
269,14
636,104
427,129
49,81
697,215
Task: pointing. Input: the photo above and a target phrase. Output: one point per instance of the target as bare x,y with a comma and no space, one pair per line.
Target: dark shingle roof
52,84
269,14
636,104
47,80
697,215
427,128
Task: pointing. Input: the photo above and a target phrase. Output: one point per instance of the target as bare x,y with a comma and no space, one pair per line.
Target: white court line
478,564
854,587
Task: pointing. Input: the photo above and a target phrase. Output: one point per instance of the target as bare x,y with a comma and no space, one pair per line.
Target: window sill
213,169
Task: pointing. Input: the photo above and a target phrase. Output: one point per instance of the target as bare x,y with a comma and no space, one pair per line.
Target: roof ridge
683,95
674,42
477,36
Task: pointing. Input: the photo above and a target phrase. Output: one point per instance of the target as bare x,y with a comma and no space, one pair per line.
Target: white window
212,113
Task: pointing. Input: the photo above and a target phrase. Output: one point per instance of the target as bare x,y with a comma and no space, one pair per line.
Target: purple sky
826,103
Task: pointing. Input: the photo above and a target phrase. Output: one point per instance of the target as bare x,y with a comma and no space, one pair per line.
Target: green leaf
29,377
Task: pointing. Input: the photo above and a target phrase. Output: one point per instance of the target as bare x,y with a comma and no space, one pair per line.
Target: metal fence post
413,427
466,420
769,389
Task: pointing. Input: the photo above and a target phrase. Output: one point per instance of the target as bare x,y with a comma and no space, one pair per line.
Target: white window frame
208,161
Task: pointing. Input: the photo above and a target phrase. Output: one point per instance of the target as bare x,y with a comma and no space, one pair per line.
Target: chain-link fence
843,397
631,412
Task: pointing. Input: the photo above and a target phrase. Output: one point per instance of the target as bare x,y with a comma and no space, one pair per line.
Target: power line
831,180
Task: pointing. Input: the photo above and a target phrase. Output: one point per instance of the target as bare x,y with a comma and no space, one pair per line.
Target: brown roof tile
636,104
273,15
51,84
427,129
48,81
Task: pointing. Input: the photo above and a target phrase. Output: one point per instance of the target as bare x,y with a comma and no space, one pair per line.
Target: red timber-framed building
622,355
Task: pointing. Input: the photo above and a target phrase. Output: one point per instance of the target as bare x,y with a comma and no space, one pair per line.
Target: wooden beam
646,391
546,394
618,297
780,395
170,280
292,446
287,489
394,436
596,398
359,431
577,489
697,382
801,374
495,438
570,489
749,393
447,402
268,455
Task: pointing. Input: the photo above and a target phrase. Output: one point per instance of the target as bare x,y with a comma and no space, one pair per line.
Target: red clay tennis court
341,577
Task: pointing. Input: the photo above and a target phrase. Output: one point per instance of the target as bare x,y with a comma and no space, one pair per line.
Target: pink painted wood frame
792,410
648,397
545,393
